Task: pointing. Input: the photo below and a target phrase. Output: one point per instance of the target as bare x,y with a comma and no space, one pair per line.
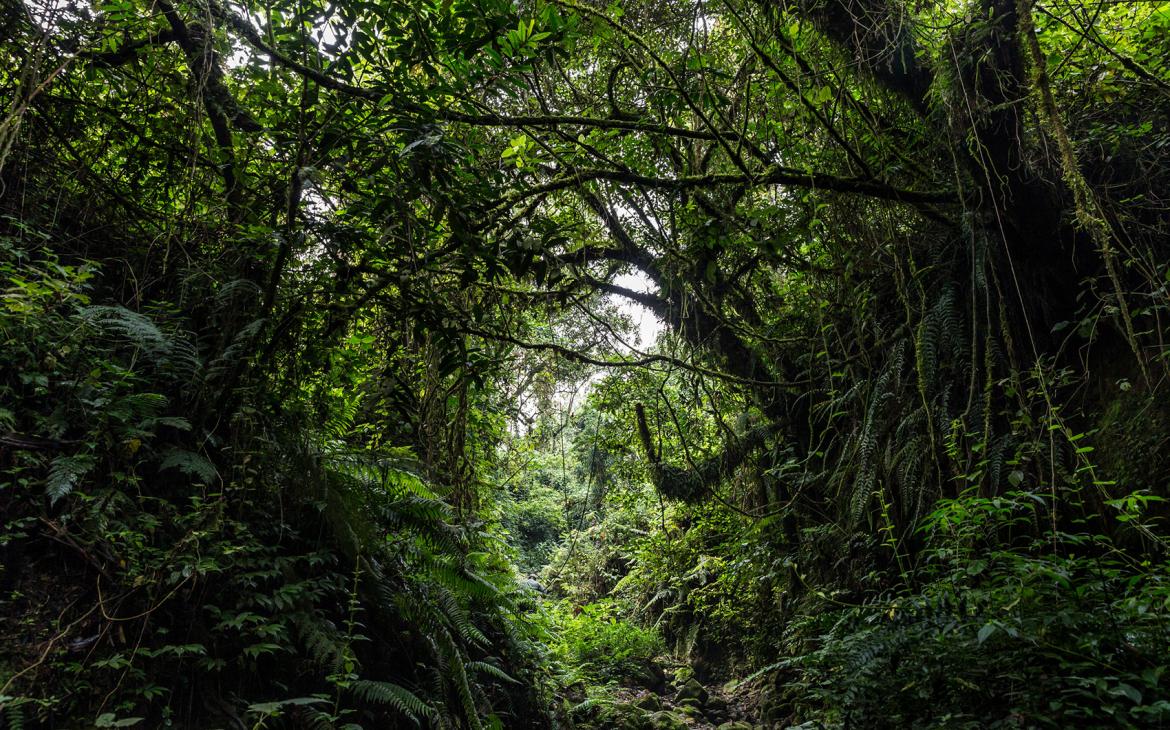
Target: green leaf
266,709
492,670
986,632
396,696
109,719
1129,691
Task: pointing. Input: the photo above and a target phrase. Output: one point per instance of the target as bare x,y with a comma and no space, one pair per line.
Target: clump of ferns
336,650
417,571
870,433
913,396
12,712
153,341
147,364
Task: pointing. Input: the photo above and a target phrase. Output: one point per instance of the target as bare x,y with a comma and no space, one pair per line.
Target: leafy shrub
1060,632
591,561
600,646
709,587
535,521
150,577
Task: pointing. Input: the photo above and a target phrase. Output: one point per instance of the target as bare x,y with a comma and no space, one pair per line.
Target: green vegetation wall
242,450
280,278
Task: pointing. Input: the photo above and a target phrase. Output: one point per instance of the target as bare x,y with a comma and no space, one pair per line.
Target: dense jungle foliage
650,364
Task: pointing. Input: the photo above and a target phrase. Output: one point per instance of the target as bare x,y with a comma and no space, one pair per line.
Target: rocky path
687,705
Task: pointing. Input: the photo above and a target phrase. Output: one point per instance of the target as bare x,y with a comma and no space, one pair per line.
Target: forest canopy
325,403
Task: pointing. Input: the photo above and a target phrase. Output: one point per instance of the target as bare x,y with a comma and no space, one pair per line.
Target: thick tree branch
207,81
633,253
627,124
34,443
880,36
646,360
692,317
694,484
655,304
772,176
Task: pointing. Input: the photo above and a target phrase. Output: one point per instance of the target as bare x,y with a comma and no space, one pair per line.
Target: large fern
396,696
127,326
65,472
194,465
885,389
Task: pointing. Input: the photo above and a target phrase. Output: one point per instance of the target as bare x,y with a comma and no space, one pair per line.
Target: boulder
716,717
717,710
664,720
682,675
736,725
649,703
692,709
692,690
532,585
626,716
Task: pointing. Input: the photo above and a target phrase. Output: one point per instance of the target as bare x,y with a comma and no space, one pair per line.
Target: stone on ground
665,720
692,690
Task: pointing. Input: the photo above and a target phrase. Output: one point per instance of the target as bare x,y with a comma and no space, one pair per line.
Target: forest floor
686,704
694,705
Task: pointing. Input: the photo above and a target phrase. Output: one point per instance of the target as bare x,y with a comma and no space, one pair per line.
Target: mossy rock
648,675
649,703
691,708
692,690
736,725
665,720
716,709
626,716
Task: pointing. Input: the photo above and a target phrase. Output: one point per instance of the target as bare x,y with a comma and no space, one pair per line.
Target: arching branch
693,485
776,175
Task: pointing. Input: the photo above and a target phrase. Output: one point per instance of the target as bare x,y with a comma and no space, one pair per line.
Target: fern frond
318,720
463,582
875,423
233,292
395,696
13,713
462,686
321,640
130,327
588,704
183,362
64,474
493,671
193,465
239,349
457,617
